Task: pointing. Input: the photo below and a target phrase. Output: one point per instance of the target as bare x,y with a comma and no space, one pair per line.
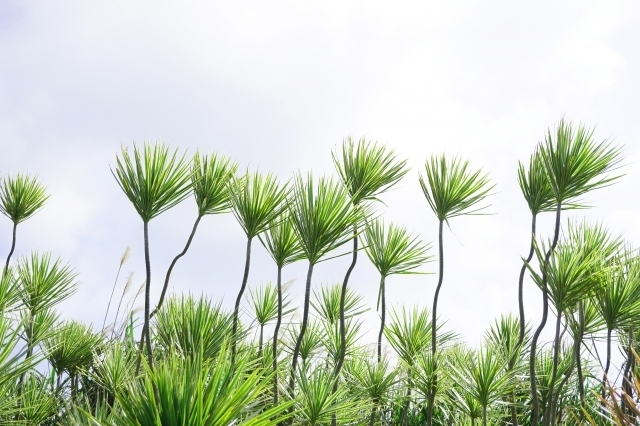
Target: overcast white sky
277,85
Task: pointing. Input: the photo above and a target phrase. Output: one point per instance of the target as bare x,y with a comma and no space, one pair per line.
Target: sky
277,86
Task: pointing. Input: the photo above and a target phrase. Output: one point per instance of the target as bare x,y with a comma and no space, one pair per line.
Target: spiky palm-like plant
319,402
264,301
618,302
44,283
486,380
572,275
256,201
154,180
452,190
326,306
392,250
282,244
9,292
323,219
197,391
409,334
376,381
210,177
185,325
537,192
367,170
21,197
326,303
575,164
70,349
310,344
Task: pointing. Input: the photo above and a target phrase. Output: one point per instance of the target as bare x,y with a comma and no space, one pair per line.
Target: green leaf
451,189
368,169
21,197
256,201
154,180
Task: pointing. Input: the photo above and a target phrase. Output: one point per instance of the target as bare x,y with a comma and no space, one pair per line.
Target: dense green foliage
191,362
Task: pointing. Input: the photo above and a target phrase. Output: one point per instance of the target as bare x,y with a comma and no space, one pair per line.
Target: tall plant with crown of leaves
256,201
21,197
574,164
323,219
452,190
210,177
283,246
154,180
392,250
367,170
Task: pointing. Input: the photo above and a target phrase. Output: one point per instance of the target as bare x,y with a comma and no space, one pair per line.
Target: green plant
186,324
367,170
256,201
283,246
452,190
392,250
323,218
154,180
200,392
574,164
70,350
21,196
210,177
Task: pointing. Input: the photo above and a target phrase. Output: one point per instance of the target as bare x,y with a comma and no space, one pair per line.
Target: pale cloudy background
277,85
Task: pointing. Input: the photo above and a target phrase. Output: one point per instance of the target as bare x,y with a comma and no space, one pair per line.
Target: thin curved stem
147,295
545,312
565,379
173,263
303,329
236,311
607,365
382,317
434,317
343,295
13,247
343,330
521,279
554,371
275,338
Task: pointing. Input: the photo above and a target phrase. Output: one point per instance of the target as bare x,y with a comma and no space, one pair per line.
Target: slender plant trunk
382,317
260,340
484,416
521,336
578,355
554,371
147,294
405,410
564,381
343,329
521,279
13,247
434,318
275,338
236,311
343,294
580,381
303,329
173,263
607,364
627,387
372,420
545,312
